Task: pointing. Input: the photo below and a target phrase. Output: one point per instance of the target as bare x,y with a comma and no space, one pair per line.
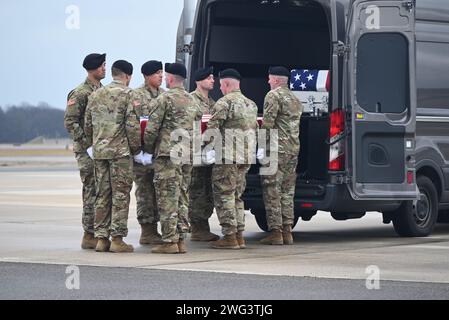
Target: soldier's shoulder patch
71,102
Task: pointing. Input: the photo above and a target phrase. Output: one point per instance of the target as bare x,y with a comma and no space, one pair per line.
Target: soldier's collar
118,82
202,98
92,85
236,90
178,88
154,93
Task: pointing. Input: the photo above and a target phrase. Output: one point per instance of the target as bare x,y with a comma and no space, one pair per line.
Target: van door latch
408,5
341,48
187,48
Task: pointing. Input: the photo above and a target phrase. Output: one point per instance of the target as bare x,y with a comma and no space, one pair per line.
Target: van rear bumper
312,197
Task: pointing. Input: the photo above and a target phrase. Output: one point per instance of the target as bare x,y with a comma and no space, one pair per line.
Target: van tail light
336,152
410,177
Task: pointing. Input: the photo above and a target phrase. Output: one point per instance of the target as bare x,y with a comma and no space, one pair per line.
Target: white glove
260,154
210,157
147,159
90,152
139,157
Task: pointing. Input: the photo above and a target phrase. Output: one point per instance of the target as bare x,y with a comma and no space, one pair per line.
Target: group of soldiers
104,123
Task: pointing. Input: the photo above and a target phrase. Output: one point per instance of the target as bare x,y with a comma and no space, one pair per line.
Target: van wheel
261,219
418,218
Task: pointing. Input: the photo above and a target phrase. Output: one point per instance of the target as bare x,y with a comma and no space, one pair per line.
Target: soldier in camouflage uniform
142,99
282,111
74,122
233,111
112,125
174,110
201,205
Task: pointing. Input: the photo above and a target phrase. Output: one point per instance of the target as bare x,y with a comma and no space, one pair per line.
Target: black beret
177,69
203,73
151,67
279,71
230,73
94,61
123,66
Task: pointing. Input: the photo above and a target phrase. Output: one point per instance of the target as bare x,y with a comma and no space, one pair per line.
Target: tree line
20,124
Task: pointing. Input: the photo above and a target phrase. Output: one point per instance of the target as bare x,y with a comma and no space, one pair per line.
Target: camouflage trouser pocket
164,168
224,179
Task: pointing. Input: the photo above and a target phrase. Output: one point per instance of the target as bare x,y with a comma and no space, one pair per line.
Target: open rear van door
381,97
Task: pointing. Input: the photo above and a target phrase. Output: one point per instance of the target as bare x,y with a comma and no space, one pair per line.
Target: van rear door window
383,73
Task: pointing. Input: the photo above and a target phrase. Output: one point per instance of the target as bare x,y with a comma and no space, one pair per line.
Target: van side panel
432,132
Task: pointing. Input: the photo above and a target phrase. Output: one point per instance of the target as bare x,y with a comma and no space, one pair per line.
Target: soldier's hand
260,154
147,159
209,157
90,152
139,157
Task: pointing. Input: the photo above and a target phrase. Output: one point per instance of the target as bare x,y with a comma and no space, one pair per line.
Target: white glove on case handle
90,152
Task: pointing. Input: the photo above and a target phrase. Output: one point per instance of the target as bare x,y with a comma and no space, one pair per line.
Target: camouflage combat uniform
282,111
112,125
174,109
74,123
141,100
201,205
233,111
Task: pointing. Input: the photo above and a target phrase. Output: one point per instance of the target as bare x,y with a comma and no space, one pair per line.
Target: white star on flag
292,86
297,77
310,77
303,86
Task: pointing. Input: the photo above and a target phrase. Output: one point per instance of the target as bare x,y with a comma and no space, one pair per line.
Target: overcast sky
42,48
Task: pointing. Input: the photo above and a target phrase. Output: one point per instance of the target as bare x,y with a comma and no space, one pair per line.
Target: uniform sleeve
270,111
219,115
136,103
88,129
154,124
132,128
199,112
73,116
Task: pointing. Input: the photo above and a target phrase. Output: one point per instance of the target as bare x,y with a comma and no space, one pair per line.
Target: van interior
251,36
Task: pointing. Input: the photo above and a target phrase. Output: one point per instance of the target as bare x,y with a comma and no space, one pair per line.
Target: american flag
310,80
143,125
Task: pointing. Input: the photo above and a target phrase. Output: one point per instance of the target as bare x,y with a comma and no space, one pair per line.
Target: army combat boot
171,247
287,234
274,238
201,232
149,234
88,241
240,240
229,241
119,246
182,246
103,245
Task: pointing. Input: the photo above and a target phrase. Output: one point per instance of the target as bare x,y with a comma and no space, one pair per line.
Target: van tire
261,219
417,219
